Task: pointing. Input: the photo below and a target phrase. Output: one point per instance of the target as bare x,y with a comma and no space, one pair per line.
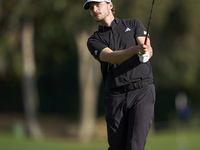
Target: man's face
100,11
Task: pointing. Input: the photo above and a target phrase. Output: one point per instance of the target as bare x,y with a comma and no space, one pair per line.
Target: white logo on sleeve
96,52
145,33
127,29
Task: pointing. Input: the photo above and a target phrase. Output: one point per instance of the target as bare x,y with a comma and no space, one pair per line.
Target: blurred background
51,87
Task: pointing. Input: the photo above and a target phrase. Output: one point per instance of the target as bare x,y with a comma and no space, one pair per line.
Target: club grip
146,39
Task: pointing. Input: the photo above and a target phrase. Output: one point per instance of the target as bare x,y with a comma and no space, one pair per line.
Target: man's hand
141,49
143,53
147,48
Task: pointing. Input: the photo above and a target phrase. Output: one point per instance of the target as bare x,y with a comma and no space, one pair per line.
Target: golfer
127,74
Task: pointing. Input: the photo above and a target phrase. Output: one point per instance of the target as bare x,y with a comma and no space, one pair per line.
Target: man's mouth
95,15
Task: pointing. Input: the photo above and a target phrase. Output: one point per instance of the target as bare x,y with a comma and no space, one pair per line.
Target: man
129,102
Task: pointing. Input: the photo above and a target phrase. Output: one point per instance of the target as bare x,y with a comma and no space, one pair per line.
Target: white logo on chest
127,29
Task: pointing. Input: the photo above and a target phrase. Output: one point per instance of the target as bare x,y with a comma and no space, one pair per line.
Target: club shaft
148,27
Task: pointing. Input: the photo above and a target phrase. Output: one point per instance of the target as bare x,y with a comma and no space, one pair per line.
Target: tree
89,72
89,84
16,11
30,91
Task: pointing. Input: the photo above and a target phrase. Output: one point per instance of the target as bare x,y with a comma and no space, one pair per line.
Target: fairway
164,140
174,140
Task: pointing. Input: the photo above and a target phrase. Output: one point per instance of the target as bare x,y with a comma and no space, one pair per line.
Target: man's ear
111,5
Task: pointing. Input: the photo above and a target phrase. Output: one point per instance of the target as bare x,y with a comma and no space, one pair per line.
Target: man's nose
95,9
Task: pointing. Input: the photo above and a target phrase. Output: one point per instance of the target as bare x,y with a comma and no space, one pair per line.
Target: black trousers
129,116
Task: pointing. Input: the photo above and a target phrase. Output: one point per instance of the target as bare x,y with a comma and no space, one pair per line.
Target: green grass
157,141
8,142
174,140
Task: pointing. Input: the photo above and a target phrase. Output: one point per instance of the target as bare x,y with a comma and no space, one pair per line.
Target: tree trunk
29,88
90,80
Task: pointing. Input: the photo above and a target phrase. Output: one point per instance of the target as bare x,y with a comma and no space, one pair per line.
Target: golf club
146,38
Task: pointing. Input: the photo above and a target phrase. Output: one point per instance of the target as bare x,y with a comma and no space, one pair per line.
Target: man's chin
97,19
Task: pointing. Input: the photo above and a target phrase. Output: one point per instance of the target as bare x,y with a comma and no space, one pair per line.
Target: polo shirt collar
106,28
115,23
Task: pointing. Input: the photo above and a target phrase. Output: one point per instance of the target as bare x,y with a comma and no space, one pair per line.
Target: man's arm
119,56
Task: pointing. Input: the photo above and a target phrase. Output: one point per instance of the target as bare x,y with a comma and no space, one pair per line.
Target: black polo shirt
121,35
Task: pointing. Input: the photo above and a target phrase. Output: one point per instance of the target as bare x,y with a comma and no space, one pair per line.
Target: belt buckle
144,84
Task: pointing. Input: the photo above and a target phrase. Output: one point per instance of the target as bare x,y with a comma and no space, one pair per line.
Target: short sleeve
95,46
140,30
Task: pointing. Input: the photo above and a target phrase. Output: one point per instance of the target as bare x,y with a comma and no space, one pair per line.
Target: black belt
132,86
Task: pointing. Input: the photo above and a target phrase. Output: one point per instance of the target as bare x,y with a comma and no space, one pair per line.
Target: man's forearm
115,57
